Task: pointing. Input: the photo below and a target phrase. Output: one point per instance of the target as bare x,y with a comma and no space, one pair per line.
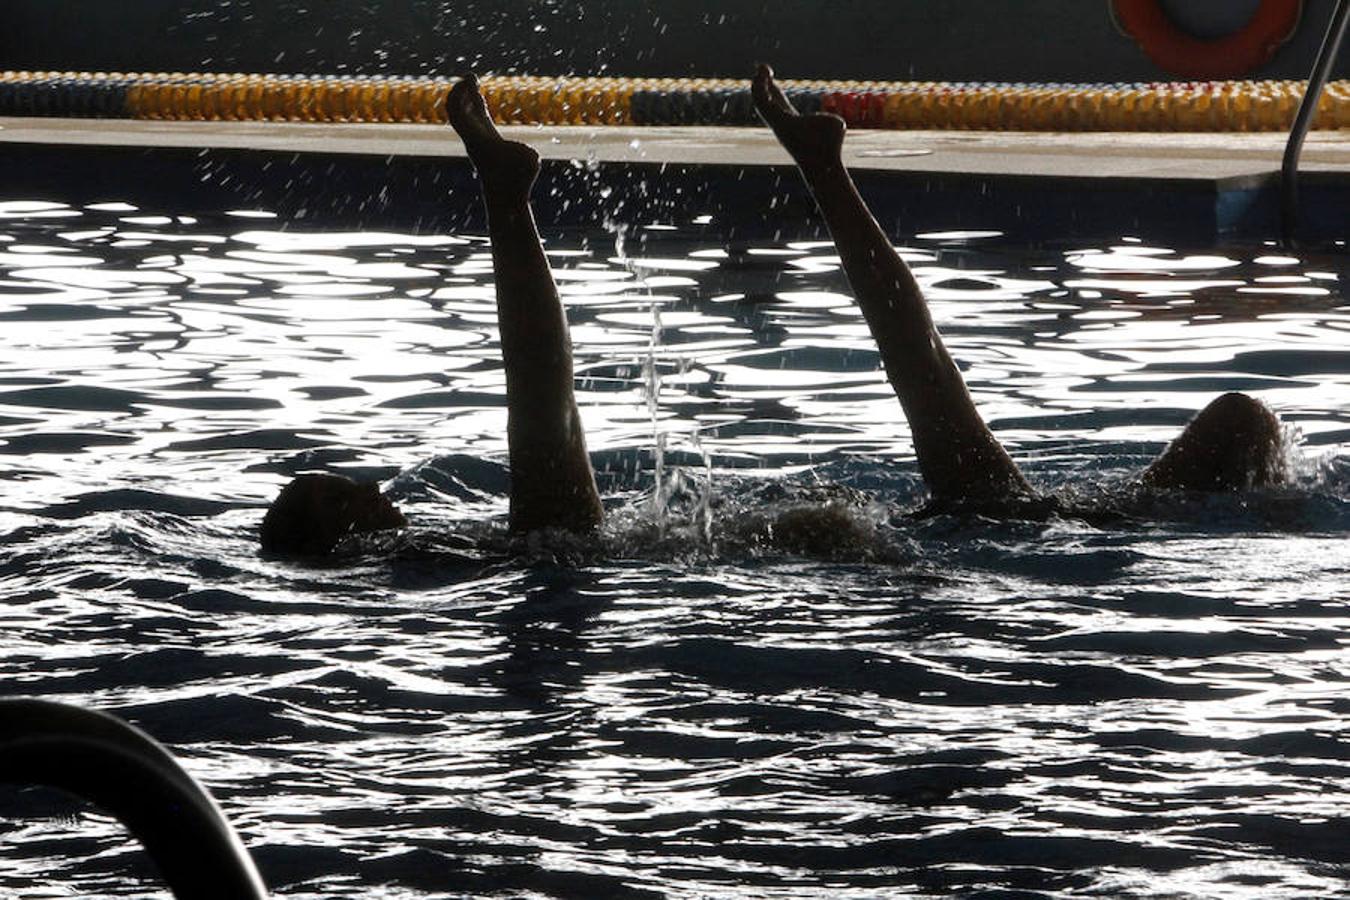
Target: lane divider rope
1225,106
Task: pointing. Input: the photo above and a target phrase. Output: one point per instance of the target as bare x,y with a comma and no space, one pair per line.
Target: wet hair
1233,444
314,513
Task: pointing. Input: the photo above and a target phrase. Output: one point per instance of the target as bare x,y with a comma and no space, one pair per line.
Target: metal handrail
103,759
1326,58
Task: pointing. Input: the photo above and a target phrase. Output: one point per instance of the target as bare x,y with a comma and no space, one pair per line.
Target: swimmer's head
1234,444
314,513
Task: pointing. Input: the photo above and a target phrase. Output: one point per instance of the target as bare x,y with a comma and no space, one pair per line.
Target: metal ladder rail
1326,58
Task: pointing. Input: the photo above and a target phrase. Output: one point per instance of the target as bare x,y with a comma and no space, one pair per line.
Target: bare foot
508,164
814,141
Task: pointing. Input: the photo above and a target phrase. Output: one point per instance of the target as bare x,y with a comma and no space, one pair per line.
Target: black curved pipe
121,769
1326,58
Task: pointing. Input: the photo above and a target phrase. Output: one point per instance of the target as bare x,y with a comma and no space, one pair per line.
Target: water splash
651,392
1307,468
703,513
651,380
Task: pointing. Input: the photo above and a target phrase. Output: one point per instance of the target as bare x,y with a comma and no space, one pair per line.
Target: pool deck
1225,161
1194,186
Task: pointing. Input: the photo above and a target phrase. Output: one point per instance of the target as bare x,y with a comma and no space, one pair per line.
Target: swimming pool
698,703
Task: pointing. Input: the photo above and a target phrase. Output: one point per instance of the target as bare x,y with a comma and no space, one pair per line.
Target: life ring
1180,53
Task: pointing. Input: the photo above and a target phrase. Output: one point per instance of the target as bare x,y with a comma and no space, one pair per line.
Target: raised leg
1233,444
552,484
959,457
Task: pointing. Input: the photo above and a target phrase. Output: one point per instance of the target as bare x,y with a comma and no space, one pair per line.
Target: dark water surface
762,680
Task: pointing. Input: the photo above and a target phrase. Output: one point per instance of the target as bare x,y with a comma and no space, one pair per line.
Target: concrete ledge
1198,185
1224,160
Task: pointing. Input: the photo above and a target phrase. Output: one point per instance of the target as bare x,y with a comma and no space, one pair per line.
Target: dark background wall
998,40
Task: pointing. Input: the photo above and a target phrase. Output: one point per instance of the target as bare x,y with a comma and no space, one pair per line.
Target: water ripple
763,678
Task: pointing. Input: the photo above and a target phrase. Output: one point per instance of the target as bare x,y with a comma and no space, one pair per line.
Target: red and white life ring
1180,53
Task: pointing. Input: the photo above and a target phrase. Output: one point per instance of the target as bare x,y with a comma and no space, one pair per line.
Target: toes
771,102
465,101
466,86
468,113
759,85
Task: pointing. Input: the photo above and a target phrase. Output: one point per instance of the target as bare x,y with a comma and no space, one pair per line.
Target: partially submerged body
1234,443
552,483
314,513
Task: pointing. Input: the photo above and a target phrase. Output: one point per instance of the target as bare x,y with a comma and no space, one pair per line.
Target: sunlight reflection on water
1141,708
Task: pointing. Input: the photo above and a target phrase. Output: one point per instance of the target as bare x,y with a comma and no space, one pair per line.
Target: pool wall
986,40
762,202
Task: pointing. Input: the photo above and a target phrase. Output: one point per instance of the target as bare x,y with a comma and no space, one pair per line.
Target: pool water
763,679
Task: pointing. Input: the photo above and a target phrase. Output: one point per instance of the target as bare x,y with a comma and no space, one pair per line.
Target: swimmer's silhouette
102,759
315,512
1233,444
552,483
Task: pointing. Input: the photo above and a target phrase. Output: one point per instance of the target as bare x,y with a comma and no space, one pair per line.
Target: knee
1234,443
314,512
